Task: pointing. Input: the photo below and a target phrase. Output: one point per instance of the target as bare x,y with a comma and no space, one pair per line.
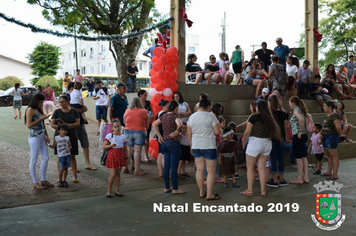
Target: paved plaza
83,209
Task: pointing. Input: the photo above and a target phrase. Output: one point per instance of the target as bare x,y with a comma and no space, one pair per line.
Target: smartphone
60,121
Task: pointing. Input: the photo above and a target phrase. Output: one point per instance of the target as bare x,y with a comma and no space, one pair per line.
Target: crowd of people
203,133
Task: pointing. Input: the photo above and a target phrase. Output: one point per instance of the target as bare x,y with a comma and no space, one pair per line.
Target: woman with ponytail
202,128
261,129
170,140
50,100
300,138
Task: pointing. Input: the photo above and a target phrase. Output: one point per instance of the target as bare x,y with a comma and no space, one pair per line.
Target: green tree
57,88
9,81
44,60
104,18
339,31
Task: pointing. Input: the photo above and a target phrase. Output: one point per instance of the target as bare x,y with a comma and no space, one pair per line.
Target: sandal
60,184
235,185
203,195
90,168
225,185
325,174
186,174
74,180
178,191
65,184
46,183
119,194
216,197
181,176
37,186
332,177
167,190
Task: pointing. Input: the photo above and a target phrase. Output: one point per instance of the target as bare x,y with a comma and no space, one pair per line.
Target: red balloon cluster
163,82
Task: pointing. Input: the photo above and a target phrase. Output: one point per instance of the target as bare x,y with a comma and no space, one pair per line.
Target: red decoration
318,35
185,17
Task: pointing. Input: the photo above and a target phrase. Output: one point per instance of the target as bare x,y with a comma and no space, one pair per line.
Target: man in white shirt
101,95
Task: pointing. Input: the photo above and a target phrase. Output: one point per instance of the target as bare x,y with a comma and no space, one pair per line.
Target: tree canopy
339,31
44,60
108,17
9,81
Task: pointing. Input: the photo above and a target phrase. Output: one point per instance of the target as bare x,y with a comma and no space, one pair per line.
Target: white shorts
257,146
64,89
48,105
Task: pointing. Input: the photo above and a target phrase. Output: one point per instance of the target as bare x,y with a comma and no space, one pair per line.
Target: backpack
309,123
282,76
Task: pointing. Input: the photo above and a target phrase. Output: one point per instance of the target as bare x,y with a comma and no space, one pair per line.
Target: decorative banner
318,35
115,37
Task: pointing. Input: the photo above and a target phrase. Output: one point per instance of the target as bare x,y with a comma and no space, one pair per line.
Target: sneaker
272,184
237,176
283,183
229,177
317,172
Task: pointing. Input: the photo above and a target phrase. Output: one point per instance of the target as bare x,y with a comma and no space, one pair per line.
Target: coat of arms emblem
328,206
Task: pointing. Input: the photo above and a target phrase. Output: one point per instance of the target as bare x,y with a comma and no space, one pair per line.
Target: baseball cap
265,90
307,62
121,85
278,39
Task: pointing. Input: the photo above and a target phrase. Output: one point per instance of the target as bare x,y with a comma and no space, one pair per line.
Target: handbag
105,154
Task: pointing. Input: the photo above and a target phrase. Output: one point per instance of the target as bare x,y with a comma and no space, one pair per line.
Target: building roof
14,59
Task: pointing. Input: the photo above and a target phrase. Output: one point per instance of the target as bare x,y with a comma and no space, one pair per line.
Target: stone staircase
236,101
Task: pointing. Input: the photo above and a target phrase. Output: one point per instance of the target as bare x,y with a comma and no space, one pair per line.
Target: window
74,72
74,56
191,49
103,68
140,66
83,53
82,70
91,50
91,69
102,47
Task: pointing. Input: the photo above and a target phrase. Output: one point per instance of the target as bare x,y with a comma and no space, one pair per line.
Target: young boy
318,92
235,137
185,153
316,141
63,149
76,99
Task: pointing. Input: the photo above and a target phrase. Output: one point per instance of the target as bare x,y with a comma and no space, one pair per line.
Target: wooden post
176,40
311,45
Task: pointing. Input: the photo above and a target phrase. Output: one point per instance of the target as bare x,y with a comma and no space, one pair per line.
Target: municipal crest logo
328,206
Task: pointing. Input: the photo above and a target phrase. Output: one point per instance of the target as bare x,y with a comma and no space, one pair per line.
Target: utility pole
223,34
253,47
75,45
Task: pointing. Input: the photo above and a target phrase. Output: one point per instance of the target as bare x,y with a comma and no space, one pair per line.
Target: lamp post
75,46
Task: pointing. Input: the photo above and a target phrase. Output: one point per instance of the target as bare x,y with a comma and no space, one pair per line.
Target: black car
6,98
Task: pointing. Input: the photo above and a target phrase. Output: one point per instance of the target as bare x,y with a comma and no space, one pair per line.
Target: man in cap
350,66
282,52
118,103
304,76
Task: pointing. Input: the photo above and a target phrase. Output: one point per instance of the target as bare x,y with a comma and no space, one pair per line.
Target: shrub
9,81
52,82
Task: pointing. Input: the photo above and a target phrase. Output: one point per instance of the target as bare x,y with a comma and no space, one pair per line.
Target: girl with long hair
261,129
17,100
37,139
300,138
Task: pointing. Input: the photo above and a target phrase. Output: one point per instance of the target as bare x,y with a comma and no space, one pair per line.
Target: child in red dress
115,142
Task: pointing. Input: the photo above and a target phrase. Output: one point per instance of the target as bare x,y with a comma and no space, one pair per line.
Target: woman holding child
37,139
70,117
261,129
251,71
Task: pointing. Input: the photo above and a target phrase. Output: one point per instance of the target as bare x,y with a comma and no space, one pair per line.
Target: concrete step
242,107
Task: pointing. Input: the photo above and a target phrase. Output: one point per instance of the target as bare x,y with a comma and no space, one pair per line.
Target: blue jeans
289,148
132,82
301,87
171,152
90,94
277,154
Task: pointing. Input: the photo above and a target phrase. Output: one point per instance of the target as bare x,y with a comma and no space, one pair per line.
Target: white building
96,58
15,67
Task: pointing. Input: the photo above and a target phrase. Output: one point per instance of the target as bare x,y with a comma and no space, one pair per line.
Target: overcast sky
248,23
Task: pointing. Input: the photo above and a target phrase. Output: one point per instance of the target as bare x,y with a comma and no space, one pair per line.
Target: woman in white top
292,70
202,128
183,110
112,87
17,101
